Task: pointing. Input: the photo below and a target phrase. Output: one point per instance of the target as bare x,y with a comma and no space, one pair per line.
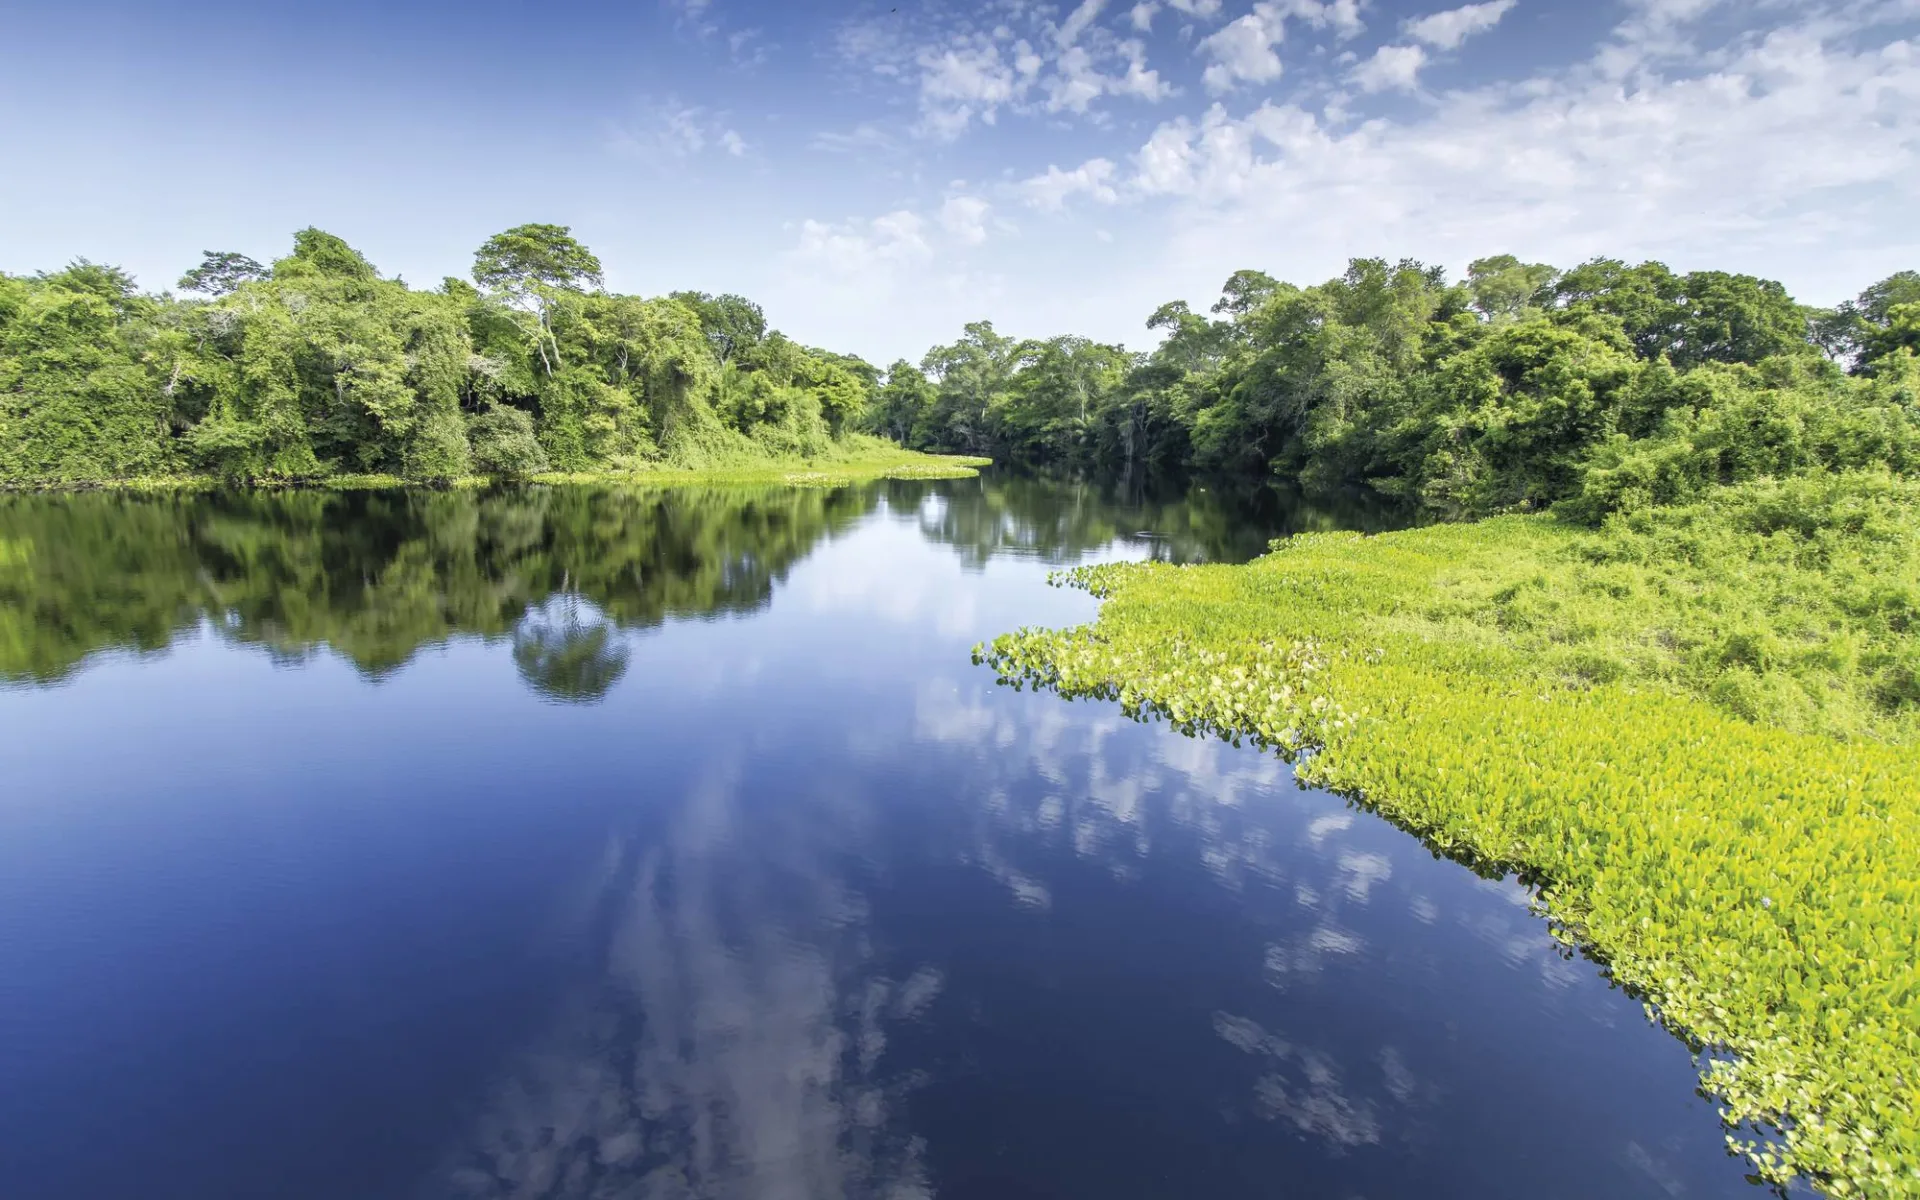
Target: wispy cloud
1051,190
674,131
1447,30
967,70
1389,67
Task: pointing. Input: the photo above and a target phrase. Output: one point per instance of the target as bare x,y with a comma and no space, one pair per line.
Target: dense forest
1602,387
317,366
1605,386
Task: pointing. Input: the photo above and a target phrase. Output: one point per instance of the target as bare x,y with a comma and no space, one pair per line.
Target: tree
1245,291
527,258
1900,333
1192,343
972,376
1877,302
1718,317
1503,287
902,404
1855,331
1061,382
528,266
319,254
220,272
733,324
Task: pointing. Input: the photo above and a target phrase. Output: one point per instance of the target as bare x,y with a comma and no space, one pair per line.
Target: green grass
1695,727
855,460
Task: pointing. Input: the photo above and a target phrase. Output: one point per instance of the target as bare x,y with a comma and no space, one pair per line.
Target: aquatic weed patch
1539,697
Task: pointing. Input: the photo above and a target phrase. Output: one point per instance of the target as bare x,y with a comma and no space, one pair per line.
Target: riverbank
856,461
1694,728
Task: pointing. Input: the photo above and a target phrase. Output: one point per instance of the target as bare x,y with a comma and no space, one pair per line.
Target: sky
877,173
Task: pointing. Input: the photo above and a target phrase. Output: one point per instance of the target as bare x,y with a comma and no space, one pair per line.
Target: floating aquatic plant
1695,730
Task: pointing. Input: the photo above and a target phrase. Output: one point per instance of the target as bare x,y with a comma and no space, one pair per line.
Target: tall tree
1504,288
220,272
733,324
530,266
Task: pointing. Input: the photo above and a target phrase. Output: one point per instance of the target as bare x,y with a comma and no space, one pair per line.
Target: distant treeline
1601,387
1604,387
317,366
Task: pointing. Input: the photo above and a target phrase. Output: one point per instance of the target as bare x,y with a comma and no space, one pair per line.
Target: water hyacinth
1531,696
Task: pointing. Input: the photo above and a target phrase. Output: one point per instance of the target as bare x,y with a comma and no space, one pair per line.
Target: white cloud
1142,16
961,82
1050,191
1342,16
1076,83
862,248
746,48
868,135
692,14
1077,22
1197,8
1215,156
1001,57
673,130
697,17
1630,153
1140,81
1390,67
1447,30
1567,165
1243,50
965,217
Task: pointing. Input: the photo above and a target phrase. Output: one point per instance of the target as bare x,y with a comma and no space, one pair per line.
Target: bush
503,443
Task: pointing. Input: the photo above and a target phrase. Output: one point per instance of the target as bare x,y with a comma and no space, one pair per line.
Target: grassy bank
854,460
1695,726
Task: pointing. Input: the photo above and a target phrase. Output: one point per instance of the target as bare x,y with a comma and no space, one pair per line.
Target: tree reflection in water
567,652
373,577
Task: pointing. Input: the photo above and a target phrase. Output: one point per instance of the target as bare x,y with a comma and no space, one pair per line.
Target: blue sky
876,174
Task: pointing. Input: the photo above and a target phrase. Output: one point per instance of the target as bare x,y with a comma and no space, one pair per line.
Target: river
597,843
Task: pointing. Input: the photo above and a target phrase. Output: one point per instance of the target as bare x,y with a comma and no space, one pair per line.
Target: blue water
602,845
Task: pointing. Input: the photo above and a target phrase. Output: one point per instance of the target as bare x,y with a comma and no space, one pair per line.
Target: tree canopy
320,366
1602,386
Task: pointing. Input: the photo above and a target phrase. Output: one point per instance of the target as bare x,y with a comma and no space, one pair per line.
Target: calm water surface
572,843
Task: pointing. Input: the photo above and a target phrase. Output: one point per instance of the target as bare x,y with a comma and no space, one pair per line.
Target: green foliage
1739,424
79,397
320,369
902,404
1694,724
1505,287
529,257
503,443
733,324
1521,387
221,272
318,254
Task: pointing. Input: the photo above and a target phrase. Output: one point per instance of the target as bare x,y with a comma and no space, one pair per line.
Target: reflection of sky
805,907
731,1045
